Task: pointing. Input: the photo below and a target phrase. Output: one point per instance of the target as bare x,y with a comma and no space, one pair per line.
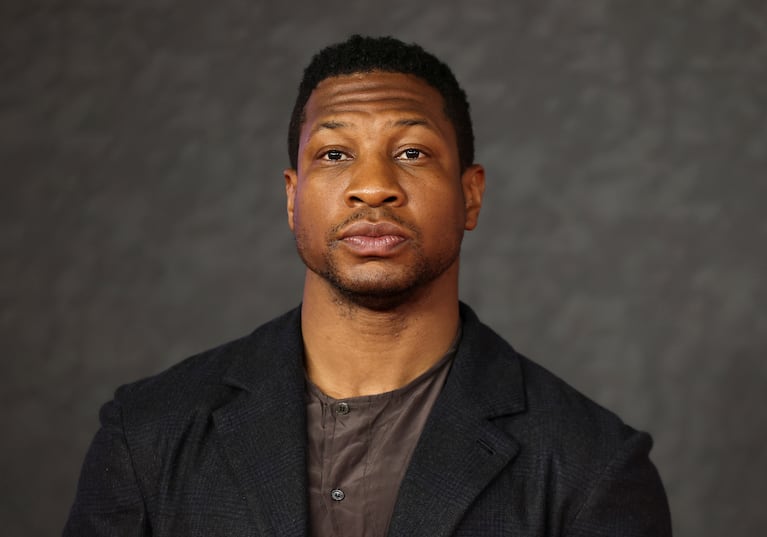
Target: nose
374,181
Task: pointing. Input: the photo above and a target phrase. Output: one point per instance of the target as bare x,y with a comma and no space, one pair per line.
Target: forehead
375,94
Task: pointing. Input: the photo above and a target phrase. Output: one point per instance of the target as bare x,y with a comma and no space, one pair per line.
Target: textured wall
622,244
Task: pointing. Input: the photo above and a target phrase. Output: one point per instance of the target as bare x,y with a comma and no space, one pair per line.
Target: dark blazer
215,446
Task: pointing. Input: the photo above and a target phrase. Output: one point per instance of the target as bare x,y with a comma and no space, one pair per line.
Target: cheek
442,208
302,215
310,221
304,205
315,197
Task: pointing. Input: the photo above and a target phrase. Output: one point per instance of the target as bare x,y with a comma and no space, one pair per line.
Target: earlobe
473,183
291,181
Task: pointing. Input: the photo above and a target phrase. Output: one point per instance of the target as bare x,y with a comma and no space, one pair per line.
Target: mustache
372,214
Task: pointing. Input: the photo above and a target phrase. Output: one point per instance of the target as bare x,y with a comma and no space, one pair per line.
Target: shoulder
202,381
602,478
591,467
544,404
552,402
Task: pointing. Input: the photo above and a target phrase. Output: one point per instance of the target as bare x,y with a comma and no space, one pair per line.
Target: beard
383,288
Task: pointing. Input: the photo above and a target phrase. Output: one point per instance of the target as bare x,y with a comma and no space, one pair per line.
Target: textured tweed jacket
215,446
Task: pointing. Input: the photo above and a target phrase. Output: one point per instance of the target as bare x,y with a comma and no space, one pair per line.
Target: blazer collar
460,449
488,369
263,430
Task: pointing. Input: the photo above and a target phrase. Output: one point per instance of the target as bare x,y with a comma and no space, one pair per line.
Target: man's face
378,204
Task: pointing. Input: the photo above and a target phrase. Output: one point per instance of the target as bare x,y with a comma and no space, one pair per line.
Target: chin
378,298
380,288
374,292
381,291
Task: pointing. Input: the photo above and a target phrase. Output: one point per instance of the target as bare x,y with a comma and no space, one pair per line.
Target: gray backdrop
622,243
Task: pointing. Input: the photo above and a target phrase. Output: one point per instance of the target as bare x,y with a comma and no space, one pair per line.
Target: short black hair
360,54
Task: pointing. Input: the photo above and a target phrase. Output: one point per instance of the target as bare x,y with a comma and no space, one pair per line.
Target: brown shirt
359,449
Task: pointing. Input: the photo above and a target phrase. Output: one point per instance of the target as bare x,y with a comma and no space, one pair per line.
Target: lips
373,239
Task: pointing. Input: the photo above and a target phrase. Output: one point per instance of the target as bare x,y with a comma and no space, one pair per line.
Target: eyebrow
411,122
331,125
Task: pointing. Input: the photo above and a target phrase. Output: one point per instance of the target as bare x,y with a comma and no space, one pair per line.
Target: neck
353,350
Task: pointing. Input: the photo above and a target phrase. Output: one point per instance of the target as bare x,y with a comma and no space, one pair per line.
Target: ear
291,183
473,183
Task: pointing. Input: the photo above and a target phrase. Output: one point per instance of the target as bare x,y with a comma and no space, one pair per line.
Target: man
381,406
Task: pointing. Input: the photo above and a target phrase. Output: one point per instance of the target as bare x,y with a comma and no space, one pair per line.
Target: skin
378,206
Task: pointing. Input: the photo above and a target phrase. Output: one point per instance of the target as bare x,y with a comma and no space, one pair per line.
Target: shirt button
342,408
337,494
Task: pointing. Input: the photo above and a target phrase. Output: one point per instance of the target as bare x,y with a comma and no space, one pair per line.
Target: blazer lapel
262,431
460,450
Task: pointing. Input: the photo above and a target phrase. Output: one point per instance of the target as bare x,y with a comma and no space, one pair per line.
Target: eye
334,155
410,154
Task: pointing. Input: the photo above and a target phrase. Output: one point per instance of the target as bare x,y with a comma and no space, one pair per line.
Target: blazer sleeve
108,500
628,499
